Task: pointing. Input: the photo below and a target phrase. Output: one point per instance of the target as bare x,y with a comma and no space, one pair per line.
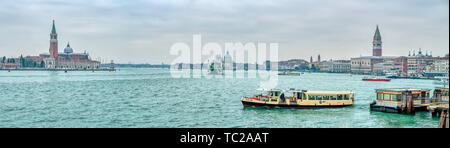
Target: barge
403,101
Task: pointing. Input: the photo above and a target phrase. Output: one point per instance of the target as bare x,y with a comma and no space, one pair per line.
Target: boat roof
402,89
309,92
264,89
329,92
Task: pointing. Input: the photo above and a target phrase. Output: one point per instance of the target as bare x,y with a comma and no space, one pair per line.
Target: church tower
377,44
53,43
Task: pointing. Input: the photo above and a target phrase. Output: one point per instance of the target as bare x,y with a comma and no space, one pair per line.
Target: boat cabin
443,93
394,97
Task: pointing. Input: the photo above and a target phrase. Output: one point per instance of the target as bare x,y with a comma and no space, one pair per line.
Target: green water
152,98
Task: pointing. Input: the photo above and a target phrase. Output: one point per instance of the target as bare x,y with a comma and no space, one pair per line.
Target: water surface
152,98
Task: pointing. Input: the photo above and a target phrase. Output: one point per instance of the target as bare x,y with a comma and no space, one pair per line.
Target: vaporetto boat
299,99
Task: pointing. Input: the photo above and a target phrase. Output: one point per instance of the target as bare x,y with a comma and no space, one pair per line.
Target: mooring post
404,102
408,103
438,96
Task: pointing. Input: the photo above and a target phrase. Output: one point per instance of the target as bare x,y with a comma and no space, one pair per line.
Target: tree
22,61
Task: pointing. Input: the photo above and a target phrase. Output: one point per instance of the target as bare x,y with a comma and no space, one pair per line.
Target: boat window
318,97
304,96
333,98
298,95
346,97
416,96
312,97
339,97
326,98
395,98
380,96
386,97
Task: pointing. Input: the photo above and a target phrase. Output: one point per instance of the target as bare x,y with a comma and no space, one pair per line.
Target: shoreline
41,69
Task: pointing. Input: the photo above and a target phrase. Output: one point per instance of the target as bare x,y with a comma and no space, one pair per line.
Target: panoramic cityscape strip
417,64
224,72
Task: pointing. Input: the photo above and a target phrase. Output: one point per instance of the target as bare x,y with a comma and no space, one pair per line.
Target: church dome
68,49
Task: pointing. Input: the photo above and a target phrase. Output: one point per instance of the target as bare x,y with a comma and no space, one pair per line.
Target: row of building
398,66
53,60
414,65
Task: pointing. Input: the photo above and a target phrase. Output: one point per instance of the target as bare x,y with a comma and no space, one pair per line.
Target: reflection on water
152,98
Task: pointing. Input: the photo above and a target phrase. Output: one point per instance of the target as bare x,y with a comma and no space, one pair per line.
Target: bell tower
53,43
377,44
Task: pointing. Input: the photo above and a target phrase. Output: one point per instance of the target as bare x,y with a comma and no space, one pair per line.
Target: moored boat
299,99
400,100
291,73
375,79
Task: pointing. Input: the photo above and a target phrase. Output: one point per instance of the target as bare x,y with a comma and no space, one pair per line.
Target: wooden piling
443,122
407,103
437,97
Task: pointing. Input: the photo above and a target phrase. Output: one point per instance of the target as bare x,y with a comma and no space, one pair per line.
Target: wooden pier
439,109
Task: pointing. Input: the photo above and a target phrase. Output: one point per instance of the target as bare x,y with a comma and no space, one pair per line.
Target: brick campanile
53,43
377,44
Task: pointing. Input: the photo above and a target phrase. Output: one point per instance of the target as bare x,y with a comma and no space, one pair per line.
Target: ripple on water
151,98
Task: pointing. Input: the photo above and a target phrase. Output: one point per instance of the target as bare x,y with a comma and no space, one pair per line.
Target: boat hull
293,106
382,80
387,109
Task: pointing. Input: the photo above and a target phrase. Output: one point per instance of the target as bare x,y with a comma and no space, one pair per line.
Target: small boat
375,79
289,73
299,99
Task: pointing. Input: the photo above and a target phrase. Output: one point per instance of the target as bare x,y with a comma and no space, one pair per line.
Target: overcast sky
143,31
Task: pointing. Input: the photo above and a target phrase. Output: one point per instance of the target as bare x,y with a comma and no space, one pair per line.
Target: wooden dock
439,109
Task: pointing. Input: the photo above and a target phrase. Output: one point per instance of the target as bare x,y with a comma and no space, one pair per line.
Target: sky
141,31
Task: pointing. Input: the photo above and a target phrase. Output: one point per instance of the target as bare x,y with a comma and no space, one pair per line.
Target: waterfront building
439,66
337,66
364,64
68,59
420,63
293,64
9,63
377,44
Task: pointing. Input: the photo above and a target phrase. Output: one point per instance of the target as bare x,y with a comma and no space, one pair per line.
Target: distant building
365,64
68,59
294,64
423,63
338,66
10,63
441,66
228,61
